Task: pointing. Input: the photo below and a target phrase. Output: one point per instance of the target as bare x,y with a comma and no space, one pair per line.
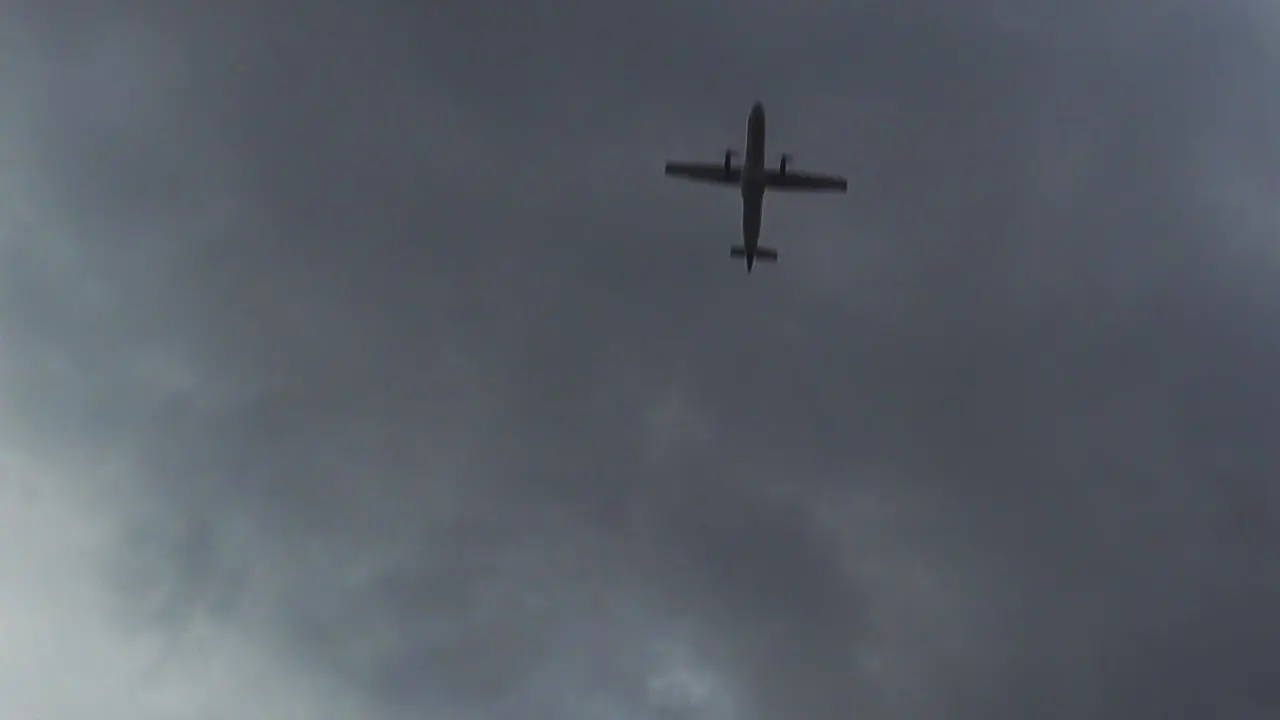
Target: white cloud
66,652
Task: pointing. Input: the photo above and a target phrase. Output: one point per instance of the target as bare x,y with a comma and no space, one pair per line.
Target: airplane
754,178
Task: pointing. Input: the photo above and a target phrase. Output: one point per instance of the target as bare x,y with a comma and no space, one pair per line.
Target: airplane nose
758,108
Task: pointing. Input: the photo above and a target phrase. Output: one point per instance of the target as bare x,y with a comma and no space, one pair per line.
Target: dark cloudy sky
357,361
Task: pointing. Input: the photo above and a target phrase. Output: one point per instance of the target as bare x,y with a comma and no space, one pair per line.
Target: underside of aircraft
754,179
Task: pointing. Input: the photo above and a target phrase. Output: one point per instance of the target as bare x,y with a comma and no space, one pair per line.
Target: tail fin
763,254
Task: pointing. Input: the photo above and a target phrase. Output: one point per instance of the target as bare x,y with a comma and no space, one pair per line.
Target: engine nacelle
782,164
728,161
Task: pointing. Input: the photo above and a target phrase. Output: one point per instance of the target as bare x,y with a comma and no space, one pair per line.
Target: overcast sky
357,361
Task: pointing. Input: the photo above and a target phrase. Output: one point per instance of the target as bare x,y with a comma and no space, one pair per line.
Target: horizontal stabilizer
762,254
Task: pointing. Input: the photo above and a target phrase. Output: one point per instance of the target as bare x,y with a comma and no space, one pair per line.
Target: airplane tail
763,254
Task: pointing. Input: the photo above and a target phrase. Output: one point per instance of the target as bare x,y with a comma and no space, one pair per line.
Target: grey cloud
992,440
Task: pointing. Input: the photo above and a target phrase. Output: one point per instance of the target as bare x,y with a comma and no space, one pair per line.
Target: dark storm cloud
992,440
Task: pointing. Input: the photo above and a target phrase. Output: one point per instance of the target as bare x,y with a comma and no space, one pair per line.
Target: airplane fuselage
753,182
753,179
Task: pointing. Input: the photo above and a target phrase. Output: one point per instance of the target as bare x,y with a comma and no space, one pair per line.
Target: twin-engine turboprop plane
754,178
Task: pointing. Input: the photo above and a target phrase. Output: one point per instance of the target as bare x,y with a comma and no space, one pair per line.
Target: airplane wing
705,172
804,181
